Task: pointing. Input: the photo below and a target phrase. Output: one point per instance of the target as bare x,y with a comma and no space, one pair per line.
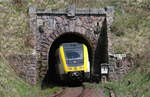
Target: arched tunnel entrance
64,38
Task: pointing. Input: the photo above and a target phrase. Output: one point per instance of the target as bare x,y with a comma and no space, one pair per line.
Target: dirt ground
79,92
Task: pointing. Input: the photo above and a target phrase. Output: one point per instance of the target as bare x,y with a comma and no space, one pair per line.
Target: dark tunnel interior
101,52
65,38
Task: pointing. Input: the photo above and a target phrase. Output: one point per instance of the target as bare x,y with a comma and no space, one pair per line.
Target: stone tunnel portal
52,27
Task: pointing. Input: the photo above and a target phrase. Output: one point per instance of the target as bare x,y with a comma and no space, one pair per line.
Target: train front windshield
74,54
71,55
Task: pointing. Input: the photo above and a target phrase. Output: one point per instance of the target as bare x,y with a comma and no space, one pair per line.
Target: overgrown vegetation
12,86
131,32
135,84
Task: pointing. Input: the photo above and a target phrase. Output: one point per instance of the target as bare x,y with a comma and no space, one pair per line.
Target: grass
130,32
134,84
13,86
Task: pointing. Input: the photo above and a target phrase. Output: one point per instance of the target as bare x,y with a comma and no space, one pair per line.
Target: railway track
79,92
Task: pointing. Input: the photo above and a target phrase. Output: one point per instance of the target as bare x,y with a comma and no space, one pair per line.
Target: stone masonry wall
24,66
119,65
